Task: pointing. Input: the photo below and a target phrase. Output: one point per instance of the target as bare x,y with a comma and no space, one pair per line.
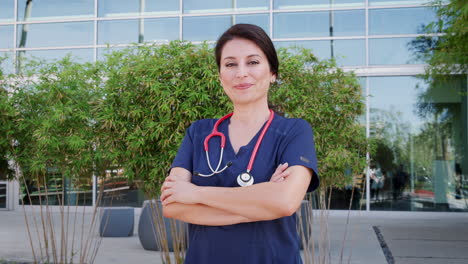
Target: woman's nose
242,71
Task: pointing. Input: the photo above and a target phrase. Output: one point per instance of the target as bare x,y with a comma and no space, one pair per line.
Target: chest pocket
205,181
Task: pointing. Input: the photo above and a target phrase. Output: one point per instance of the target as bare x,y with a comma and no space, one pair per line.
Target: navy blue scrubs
276,241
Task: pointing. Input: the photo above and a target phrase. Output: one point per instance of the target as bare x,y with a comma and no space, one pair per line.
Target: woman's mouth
243,86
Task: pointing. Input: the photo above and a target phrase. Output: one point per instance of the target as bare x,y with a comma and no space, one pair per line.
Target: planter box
153,223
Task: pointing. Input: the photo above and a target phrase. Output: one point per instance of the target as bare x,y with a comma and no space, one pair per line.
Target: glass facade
421,136
354,32
55,10
404,20
374,38
8,11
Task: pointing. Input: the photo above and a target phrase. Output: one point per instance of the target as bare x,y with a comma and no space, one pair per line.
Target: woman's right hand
281,173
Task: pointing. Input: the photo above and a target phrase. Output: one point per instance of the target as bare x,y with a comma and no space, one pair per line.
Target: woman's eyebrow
252,55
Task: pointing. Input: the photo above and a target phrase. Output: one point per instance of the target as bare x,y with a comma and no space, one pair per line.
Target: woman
245,211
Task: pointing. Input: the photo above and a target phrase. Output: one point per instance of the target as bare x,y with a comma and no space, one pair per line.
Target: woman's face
244,72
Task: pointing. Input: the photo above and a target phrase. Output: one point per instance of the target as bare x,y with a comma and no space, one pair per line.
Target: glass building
421,162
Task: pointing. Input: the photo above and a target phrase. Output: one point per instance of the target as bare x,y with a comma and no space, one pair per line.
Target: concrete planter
153,228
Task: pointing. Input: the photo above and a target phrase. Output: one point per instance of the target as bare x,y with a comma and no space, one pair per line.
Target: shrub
153,93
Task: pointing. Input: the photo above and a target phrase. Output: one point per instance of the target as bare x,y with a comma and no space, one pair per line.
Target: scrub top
276,241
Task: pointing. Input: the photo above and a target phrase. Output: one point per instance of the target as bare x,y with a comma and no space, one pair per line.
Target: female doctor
239,180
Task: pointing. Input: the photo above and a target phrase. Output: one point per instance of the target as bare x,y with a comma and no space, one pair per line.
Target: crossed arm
224,206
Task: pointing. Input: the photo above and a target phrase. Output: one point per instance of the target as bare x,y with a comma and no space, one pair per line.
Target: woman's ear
273,78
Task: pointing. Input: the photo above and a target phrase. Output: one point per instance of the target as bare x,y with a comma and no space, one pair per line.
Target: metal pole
141,29
412,162
24,31
367,136
234,9
331,16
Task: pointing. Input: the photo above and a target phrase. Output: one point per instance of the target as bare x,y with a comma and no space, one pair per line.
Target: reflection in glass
317,24
205,28
304,4
349,23
118,190
54,9
6,37
102,52
161,29
118,31
260,20
297,25
397,2
138,31
392,51
420,131
116,8
79,55
219,6
400,20
346,52
252,5
208,6
8,10
320,48
55,34
350,52
59,191
6,65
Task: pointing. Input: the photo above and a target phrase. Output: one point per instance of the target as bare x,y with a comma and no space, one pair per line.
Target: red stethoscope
245,178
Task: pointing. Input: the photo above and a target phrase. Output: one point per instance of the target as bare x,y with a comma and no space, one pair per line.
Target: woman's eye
230,64
254,62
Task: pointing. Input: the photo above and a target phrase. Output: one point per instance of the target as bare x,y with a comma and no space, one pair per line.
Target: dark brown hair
253,33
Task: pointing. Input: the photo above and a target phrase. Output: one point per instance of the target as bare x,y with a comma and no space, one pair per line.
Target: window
6,37
317,24
400,20
119,8
55,34
420,131
205,28
55,10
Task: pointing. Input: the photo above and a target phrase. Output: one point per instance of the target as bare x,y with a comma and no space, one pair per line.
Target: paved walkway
407,238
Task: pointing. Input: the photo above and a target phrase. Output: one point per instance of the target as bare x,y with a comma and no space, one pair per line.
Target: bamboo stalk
50,223
82,234
346,226
43,221
62,229
74,230
27,223
159,232
99,239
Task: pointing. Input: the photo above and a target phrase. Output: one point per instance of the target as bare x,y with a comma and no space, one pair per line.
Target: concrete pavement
410,237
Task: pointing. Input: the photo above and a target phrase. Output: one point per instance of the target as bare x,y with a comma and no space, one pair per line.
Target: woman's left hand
281,173
176,190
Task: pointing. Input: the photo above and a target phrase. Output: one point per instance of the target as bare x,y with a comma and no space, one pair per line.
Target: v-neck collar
244,148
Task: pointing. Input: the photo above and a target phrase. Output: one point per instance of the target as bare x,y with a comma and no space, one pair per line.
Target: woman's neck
251,115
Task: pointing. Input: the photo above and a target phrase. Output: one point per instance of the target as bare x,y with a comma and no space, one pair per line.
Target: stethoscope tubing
217,167
216,133
259,141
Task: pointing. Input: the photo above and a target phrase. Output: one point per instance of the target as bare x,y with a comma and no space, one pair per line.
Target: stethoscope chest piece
245,179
